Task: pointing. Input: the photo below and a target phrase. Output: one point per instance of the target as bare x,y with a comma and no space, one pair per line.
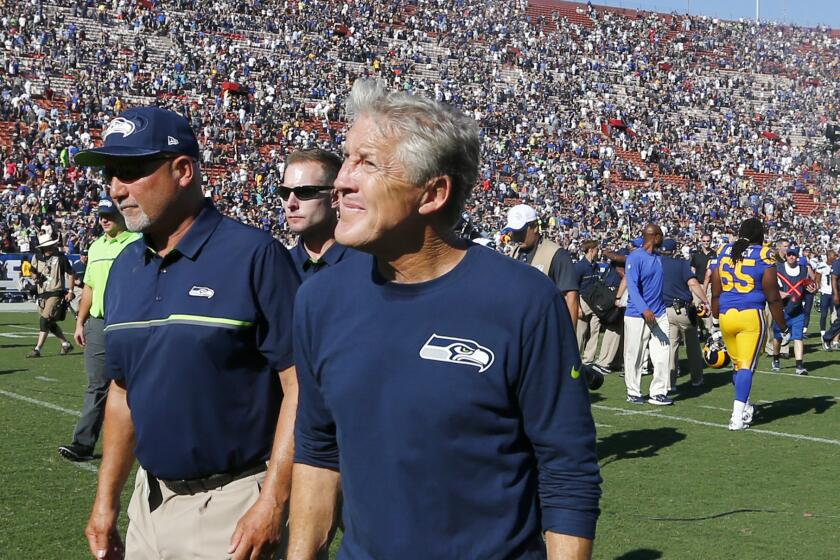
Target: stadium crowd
632,117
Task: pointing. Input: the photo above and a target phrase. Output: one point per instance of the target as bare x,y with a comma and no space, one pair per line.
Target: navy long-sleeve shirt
463,426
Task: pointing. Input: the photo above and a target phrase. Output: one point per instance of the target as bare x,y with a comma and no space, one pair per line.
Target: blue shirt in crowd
198,337
463,425
643,273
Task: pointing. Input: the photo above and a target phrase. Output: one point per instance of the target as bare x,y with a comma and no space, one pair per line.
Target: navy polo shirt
676,273
586,273
306,267
197,337
463,425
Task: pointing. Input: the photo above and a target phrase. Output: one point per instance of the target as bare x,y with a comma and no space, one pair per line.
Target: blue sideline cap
142,132
793,251
106,207
638,242
669,245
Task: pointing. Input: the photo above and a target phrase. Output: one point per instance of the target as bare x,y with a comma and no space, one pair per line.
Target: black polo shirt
306,267
198,337
700,262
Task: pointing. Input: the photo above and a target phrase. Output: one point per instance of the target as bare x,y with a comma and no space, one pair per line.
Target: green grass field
677,483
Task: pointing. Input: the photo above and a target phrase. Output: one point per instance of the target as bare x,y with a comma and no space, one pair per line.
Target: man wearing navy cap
193,357
90,326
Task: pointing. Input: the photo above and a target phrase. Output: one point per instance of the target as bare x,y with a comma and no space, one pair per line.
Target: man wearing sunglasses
197,329
310,204
90,325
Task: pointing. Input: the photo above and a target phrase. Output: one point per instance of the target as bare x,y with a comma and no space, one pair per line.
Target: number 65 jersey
741,281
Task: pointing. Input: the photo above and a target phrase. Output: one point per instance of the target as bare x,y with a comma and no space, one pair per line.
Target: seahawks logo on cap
119,125
457,351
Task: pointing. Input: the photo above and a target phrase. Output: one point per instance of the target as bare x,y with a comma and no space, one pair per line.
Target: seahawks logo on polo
119,125
201,291
460,351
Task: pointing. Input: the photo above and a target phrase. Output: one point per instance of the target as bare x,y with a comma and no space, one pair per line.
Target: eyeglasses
131,169
303,192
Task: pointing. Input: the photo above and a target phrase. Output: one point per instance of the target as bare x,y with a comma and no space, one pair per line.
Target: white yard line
84,466
799,376
42,378
45,404
655,414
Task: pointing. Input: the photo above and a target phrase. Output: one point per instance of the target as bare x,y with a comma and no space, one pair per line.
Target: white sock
822,333
738,409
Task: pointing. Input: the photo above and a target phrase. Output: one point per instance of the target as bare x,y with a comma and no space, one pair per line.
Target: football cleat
736,424
748,413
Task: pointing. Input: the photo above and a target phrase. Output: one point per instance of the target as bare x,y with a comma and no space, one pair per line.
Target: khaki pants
587,333
679,324
610,346
638,335
49,311
197,527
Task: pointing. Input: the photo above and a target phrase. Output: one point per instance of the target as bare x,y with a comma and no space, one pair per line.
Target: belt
196,485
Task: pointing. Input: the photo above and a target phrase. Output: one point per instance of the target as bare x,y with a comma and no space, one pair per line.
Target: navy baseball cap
106,207
142,132
793,251
638,242
669,245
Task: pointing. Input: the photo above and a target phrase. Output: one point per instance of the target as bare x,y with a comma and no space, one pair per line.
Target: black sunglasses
129,169
303,192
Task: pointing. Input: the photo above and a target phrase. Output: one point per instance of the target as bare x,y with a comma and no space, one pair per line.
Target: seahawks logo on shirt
457,351
201,291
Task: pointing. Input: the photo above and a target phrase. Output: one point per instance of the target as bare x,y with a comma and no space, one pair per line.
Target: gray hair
433,140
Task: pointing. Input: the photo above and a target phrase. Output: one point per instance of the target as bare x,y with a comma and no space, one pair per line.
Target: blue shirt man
645,321
198,348
644,282
440,386
490,387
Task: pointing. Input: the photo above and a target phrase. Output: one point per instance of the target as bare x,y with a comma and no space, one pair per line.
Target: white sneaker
748,414
736,424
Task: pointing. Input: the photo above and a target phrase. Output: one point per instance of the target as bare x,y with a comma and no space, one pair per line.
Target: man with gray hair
463,422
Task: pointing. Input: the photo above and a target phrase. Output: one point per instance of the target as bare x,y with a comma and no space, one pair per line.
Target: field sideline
677,483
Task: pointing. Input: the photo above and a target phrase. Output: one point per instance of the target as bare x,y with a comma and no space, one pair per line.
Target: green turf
672,488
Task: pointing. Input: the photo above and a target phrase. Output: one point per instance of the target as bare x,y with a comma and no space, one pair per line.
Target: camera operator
53,279
679,284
